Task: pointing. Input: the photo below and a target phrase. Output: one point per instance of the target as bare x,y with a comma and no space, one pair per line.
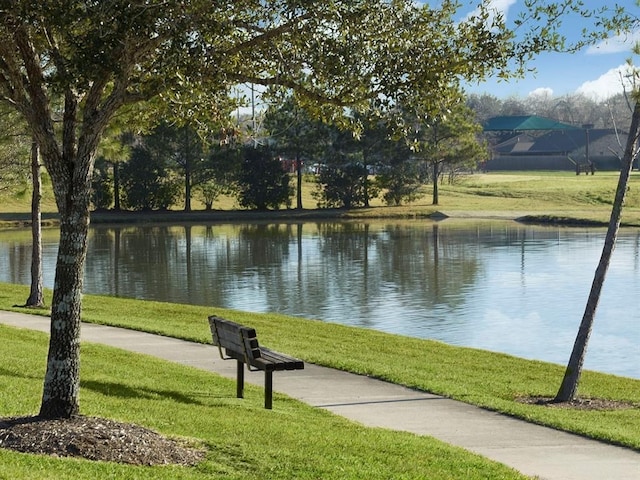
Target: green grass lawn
492,380
242,439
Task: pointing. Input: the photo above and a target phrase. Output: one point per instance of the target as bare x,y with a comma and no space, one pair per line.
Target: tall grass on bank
492,380
241,438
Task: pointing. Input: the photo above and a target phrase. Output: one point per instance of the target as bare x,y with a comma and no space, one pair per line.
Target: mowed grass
554,193
546,194
491,380
242,440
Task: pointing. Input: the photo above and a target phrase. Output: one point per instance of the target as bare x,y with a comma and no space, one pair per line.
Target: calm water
499,286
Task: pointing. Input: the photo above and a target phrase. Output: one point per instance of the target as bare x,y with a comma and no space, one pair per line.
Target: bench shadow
376,402
115,389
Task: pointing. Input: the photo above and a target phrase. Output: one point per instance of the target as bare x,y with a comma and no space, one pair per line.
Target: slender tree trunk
366,177
36,295
569,386
436,174
116,186
299,181
187,171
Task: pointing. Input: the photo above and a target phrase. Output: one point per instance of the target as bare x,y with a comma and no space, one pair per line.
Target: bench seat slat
281,361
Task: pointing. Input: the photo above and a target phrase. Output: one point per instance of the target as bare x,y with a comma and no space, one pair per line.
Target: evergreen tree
262,182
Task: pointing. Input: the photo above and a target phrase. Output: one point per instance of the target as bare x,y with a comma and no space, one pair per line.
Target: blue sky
594,71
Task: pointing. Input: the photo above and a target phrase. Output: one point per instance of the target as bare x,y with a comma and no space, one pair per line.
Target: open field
492,380
548,196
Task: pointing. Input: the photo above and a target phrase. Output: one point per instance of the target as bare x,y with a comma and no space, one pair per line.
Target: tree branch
267,34
341,98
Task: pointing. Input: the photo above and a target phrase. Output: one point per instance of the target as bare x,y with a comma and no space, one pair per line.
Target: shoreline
23,219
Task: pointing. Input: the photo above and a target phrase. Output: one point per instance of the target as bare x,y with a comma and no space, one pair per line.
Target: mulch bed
579,403
95,439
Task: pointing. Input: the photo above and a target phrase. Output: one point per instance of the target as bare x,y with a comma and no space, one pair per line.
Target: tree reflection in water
497,285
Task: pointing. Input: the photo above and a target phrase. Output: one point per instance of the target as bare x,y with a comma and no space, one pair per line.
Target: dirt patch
95,439
579,403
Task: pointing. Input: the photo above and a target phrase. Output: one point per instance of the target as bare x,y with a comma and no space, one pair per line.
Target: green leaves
333,53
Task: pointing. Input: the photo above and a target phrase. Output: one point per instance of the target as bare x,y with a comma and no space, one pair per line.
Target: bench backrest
234,337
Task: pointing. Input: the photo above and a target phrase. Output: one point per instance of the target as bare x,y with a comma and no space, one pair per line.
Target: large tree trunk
62,379
70,171
36,295
569,386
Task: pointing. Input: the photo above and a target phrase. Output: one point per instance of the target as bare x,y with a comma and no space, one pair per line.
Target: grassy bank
545,196
492,380
242,439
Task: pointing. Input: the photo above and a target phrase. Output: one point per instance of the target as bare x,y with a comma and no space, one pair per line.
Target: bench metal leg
268,390
240,380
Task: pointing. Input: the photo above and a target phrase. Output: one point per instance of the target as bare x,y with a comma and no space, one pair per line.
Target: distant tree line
393,155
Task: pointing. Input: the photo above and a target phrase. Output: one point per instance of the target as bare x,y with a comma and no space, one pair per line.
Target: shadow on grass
4,372
115,389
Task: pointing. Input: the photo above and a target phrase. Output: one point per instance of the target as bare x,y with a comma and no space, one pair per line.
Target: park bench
235,341
586,168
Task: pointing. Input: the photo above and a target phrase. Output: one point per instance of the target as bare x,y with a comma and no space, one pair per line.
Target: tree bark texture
573,372
70,171
62,379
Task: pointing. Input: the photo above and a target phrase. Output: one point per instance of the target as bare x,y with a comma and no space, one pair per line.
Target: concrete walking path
531,449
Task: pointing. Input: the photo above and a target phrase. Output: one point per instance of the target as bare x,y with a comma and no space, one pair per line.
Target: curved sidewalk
531,449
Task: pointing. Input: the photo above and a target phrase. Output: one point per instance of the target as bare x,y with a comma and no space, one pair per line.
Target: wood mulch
95,439
579,403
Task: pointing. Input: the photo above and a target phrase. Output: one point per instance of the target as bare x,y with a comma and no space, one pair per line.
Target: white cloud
496,7
542,92
618,44
607,85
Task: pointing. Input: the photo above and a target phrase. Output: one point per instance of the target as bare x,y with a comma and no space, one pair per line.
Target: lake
495,285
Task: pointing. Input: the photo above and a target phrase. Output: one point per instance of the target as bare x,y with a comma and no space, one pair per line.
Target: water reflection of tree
19,262
345,241
221,261
346,265
428,264
262,246
319,270
135,262
16,254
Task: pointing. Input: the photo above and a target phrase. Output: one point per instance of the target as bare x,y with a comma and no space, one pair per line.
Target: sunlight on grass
243,440
488,379
550,193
